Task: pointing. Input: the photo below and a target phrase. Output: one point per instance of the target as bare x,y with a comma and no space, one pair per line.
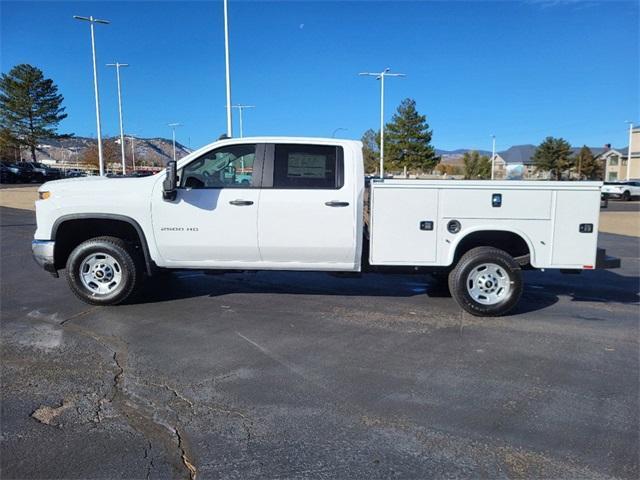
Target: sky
519,70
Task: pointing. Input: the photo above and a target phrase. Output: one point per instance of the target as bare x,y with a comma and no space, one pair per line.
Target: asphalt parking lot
304,375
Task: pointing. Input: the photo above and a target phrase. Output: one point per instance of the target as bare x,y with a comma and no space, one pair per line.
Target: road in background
307,375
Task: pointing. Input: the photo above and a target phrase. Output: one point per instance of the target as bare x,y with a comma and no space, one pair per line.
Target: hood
94,183
66,181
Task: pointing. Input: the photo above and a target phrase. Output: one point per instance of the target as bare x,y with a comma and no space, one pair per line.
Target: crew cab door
308,206
213,220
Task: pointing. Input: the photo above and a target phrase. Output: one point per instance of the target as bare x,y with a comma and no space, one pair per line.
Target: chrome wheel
100,273
488,284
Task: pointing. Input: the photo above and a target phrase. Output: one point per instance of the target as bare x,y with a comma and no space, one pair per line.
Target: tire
626,195
111,269
486,282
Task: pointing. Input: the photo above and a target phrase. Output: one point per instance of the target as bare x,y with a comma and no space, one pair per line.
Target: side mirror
170,184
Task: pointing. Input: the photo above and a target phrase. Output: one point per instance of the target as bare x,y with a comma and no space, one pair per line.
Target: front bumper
605,261
43,255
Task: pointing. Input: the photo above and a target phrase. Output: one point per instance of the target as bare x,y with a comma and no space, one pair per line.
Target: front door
213,220
307,215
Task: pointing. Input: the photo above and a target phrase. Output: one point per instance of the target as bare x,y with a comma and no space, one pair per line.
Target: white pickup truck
303,204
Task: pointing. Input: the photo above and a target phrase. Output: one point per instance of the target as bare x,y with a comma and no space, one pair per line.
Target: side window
226,167
308,167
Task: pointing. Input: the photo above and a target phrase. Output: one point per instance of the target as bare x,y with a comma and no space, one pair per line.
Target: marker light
43,195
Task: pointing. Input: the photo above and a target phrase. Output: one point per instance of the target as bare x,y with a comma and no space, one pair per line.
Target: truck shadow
542,289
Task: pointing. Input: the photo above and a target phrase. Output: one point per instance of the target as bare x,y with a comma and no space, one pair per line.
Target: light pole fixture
240,109
227,73
118,65
337,130
93,21
173,129
380,76
493,156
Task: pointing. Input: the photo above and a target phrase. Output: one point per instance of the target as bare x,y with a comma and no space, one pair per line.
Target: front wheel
626,196
103,271
486,282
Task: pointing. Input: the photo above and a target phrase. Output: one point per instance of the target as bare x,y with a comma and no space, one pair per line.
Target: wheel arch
513,241
89,225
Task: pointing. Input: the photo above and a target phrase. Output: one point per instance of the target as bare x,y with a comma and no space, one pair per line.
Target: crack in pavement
135,413
147,454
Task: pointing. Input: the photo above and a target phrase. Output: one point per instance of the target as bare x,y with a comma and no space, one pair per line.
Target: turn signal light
44,195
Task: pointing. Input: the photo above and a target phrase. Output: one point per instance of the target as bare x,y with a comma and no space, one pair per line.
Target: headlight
43,195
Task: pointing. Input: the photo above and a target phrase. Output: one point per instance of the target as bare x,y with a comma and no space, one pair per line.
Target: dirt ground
19,197
617,222
620,223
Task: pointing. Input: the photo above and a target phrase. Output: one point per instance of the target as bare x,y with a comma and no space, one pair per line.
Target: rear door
308,206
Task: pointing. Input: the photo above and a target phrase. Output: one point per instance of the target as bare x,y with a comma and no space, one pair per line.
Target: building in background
616,160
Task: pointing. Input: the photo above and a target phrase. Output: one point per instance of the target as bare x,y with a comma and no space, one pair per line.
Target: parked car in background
16,173
7,175
41,172
141,173
74,173
622,190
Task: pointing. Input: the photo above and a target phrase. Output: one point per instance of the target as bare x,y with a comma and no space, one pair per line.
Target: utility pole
92,21
228,75
629,150
118,65
493,156
173,129
240,109
380,76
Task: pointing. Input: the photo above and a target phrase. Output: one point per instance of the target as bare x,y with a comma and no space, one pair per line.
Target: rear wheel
103,271
626,195
486,282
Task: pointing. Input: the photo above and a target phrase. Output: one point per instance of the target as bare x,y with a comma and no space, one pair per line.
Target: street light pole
118,65
228,75
92,21
173,128
380,76
240,109
337,130
629,150
493,156
133,151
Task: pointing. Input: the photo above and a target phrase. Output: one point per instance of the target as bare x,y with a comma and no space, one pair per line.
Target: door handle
241,203
335,203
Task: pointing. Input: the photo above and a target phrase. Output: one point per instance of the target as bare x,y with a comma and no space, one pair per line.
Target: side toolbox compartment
403,225
575,228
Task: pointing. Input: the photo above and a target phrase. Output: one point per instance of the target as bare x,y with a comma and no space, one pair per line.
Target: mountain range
153,151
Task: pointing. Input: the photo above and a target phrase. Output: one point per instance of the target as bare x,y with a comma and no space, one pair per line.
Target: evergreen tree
371,151
553,155
476,166
408,139
588,167
30,106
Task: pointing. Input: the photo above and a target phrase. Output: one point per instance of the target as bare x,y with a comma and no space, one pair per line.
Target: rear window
308,167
